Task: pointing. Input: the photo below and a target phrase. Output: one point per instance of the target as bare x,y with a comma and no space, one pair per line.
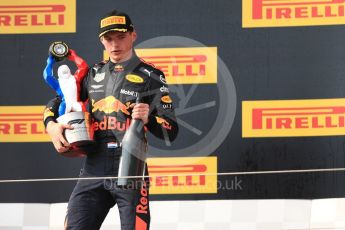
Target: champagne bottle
133,156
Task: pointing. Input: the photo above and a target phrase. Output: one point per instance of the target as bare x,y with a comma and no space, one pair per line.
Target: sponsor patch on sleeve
47,113
134,78
166,99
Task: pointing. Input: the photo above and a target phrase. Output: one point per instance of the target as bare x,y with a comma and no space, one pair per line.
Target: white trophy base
81,137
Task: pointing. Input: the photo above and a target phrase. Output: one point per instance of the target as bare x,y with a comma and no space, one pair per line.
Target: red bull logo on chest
110,105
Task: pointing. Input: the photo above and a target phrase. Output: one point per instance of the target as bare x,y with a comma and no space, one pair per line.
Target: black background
265,63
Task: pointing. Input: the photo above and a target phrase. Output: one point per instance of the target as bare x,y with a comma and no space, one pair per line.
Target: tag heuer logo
99,77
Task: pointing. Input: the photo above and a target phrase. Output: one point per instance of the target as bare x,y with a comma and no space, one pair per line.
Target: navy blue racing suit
109,90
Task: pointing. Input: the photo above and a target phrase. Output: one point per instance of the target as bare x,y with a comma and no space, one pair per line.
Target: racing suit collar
128,65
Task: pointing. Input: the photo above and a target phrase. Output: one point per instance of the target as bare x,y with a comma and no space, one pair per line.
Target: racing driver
109,91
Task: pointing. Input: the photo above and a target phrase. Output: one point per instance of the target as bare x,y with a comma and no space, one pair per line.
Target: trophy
71,110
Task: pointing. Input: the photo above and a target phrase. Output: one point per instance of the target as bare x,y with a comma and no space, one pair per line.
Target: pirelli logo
183,175
22,124
197,65
113,20
324,117
276,13
37,16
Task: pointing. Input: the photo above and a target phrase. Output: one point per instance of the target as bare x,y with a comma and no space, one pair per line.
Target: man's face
119,45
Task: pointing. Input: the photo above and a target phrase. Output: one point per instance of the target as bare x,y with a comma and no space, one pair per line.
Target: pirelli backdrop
257,86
